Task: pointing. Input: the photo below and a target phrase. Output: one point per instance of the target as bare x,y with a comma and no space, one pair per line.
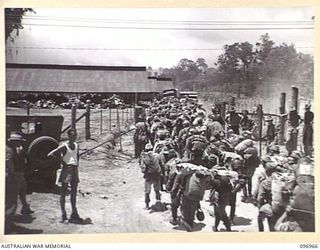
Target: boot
26,210
75,218
147,201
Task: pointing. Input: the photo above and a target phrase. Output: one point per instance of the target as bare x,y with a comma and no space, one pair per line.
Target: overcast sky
151,37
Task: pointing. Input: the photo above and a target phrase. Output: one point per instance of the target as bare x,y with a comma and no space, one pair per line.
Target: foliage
13,18
244,68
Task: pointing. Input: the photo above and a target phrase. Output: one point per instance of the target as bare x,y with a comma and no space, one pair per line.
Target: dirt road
111,195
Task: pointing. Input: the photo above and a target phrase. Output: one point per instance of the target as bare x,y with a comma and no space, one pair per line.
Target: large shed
129,82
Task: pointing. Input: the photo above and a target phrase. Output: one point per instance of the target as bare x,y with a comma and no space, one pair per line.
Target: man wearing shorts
68,155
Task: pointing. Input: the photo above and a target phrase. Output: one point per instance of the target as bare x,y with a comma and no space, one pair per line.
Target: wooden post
119,129
127,115
122,119
260,117
100,121
73,116
282,110
294,97
294,104
135,99
88,120
110,119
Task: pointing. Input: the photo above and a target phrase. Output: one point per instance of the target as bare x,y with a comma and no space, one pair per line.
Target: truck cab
42,135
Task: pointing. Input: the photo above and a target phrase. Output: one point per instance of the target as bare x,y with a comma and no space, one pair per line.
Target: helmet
162,134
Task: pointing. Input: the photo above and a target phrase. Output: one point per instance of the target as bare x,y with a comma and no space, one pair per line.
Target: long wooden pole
73,116
282,110
260,117
88,120
101,121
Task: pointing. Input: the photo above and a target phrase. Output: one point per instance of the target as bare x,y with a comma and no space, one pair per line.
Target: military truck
42,134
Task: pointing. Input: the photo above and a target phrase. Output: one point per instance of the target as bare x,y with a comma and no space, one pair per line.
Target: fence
92,123
275,106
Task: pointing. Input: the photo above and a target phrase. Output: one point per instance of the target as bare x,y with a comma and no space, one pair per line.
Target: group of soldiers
185,150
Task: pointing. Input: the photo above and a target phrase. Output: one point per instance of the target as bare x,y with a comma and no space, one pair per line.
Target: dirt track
111,195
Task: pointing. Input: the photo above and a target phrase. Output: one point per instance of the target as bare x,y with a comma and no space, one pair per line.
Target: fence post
282,110
294,97
127,115
260,117
122,119
28,109
88,120
294,104
101,121
73,116
110,119
119,129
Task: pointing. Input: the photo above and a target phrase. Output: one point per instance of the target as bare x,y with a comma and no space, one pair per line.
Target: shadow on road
39,188
242,221
198,226
158,207
85,221
25,219
16,229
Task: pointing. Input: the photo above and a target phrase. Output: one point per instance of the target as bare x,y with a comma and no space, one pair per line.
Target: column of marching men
185,150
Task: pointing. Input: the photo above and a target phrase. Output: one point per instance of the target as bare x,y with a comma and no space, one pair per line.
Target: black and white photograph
159,120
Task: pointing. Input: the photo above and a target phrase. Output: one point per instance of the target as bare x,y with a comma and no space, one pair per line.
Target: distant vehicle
42,134
19,104
112,102
189,95
170,92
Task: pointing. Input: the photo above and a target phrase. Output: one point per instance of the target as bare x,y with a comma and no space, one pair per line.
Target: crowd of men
185,150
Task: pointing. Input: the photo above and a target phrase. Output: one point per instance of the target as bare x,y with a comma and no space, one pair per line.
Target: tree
234,63
263,48
202,65
13,18
282,62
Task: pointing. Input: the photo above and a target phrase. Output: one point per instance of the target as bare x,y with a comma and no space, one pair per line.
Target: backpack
279,183
142,136
195,186
159,146
151,162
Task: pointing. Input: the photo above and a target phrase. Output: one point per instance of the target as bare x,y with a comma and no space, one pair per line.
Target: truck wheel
38,151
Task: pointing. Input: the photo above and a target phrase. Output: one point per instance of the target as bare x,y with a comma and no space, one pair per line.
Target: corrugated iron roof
77,79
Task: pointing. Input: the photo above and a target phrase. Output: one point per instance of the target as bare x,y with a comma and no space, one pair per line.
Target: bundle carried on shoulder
233,175
302,201
279,184
197,179
196,184
186,169
242,146
151,162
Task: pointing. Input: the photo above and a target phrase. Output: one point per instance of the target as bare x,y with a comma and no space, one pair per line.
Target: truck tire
38,151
